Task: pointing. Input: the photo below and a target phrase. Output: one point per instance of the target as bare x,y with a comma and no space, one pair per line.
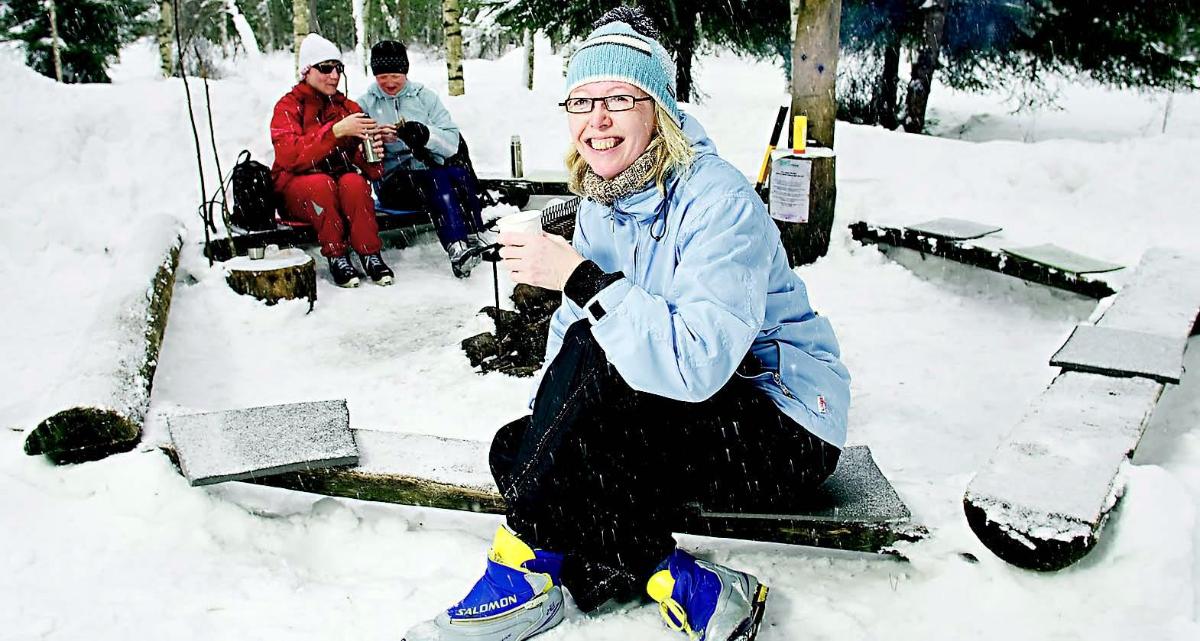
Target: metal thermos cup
518,165
369,149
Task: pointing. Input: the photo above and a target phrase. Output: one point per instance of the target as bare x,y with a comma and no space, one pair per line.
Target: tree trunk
54,46
454,50
684,53
269,23
289,275
921,82
528,69
244,30
166,33
884,102
360,33
299,27
814,68
314,25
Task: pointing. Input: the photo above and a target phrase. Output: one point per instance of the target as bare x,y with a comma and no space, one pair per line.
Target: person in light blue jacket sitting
419,137
685,364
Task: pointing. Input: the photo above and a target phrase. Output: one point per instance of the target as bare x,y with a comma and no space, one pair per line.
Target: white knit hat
314,50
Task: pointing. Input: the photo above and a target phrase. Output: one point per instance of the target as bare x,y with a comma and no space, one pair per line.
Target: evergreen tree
91,33
755,27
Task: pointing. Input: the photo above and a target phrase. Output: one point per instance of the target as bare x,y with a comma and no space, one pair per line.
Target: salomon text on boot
518,597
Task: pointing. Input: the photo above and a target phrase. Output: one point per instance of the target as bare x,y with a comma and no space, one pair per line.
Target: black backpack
254,199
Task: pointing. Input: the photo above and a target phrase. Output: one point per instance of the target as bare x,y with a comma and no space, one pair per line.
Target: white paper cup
256,253
525,222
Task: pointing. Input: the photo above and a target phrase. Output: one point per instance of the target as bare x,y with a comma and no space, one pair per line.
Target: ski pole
762,171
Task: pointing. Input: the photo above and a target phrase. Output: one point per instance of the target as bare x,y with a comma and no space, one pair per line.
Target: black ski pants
601,473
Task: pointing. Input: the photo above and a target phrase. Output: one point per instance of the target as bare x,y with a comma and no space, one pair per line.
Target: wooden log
1042,498
287,275
982,257
114,371
856,509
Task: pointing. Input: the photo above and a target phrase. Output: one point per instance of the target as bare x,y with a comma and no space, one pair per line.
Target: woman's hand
356,125
387,133
540,259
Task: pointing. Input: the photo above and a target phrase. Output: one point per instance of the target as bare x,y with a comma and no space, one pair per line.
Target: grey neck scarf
630,181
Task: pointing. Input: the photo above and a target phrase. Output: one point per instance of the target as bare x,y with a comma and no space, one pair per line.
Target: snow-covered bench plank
1145,330
1042,498
260,441
954,228
856,509
112,372
969,252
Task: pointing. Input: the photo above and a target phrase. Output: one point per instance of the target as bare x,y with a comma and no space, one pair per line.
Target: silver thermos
518,165
369,149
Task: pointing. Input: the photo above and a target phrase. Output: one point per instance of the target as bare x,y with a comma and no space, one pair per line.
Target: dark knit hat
389,56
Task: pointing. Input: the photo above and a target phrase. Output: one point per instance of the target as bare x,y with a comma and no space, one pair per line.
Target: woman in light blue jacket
685,364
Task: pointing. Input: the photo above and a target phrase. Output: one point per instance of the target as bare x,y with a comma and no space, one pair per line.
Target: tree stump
114,373
807,240
287,274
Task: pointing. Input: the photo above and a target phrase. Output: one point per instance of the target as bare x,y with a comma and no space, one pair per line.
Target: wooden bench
974,244
1042,499
856,509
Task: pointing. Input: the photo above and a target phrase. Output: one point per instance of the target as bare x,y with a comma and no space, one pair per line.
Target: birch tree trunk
814,67
454,49
360,34
166,31
921,82
527,79
244,30
54,46
299,27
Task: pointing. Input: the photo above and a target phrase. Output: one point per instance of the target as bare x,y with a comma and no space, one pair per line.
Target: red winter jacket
302,133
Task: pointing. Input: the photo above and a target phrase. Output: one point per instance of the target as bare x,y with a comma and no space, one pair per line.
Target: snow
945,362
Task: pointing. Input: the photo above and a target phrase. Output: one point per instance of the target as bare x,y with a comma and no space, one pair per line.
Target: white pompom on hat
314,50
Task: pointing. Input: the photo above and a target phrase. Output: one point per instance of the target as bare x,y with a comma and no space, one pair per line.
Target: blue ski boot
518,596
706,601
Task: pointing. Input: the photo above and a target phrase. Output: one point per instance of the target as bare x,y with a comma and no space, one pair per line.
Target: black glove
414,134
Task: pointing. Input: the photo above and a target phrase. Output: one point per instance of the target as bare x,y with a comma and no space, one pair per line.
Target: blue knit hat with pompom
616,51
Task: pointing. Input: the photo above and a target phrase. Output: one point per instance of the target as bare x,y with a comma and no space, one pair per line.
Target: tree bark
889,81
288,277
529,50
814,68
451,16
358,9
921,81
54,46
166,31
299,27
113,383
269,23
314,25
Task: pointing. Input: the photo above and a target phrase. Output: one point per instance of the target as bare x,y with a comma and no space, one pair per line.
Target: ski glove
414,134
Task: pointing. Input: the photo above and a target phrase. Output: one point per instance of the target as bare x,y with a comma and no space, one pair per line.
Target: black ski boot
374,266
343,272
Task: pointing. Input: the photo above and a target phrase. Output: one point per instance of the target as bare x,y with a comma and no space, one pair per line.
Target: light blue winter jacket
715,285
413,102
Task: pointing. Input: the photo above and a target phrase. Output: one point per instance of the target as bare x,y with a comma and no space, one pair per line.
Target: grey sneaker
464,256
517,598
706,601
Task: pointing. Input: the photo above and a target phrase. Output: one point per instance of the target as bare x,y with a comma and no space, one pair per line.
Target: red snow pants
331,205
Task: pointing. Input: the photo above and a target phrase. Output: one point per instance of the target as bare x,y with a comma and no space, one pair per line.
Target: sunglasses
330,67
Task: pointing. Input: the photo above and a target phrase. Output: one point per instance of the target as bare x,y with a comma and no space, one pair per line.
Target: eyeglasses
330,67
611,103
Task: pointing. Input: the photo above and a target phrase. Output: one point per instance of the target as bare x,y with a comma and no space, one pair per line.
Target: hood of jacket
645,205
409,90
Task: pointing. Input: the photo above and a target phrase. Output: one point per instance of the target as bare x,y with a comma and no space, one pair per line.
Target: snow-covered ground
944,362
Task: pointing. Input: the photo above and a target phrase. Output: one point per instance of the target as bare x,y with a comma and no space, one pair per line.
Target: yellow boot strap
659,587
508,550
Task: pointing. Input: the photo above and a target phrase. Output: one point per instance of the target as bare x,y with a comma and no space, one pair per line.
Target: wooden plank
1121,352
954,228
981,257
1162,298
856,509
260,441
1042,498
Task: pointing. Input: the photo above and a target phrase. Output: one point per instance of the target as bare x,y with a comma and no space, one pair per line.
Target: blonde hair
672,152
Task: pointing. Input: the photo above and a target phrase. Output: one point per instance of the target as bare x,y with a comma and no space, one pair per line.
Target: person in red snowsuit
320,171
